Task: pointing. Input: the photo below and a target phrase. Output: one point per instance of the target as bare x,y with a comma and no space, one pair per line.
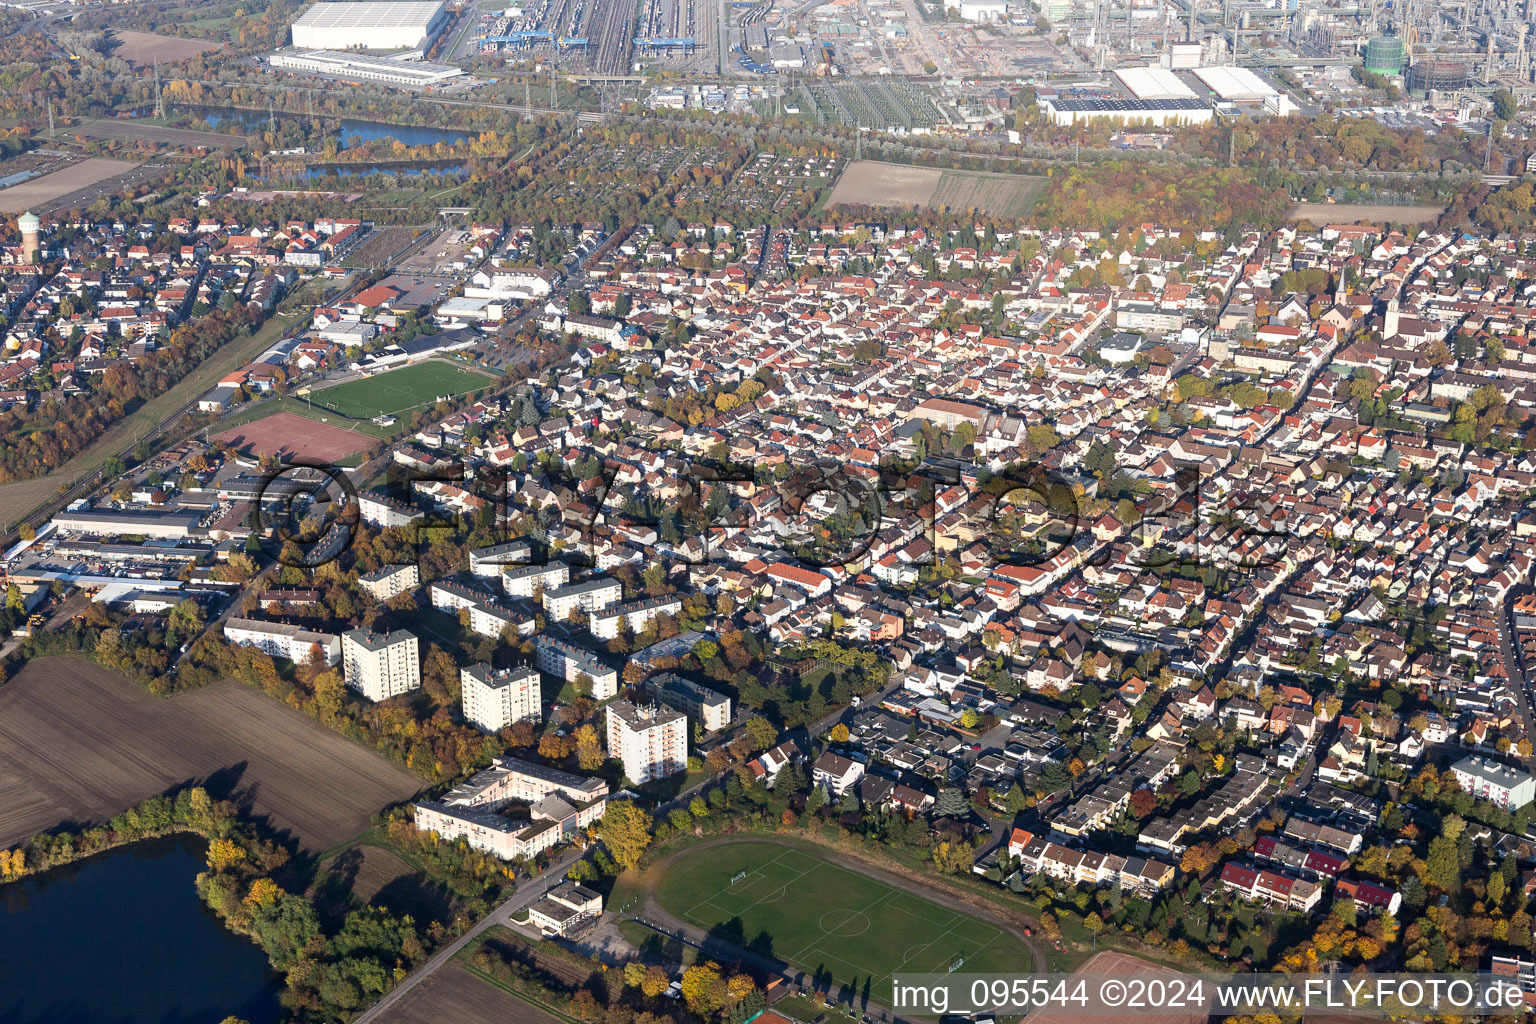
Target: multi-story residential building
713,710
495,699
530,580
1489,780
282,640
490,619
448,596
1271,887
511,779
391,581
559,805
651,741
636,614
380,510
378,666
570,663
585,596
499,558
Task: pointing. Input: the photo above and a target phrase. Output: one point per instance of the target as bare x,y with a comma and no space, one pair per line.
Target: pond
365,131
124,938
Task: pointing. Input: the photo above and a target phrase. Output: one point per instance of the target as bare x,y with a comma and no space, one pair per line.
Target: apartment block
390,581
380,510
636,614
282,640
499,558
380,666
711,709
559,804
569,662
651,741
495,699
528,580
1487,779
586,596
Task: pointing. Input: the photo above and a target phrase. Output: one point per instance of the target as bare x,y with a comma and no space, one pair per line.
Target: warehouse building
1154,84
1237,85
369,25
1064,111
129,523
414,74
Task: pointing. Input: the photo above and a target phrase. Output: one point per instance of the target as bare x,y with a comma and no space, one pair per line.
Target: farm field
1001,195
454,995
397,391
287,435
1363,213
144,48
871,183
34,193
382,878
79,743
800,908
131,131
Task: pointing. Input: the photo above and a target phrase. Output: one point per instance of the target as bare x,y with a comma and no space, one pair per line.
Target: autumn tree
703,989
589,748
626,831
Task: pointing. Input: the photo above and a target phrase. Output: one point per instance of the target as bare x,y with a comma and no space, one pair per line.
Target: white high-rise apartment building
652,741
380,667
494,700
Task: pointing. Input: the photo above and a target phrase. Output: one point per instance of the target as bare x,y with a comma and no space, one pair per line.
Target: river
124,938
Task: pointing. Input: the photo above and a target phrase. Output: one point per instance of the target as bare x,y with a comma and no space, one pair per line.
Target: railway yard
605,37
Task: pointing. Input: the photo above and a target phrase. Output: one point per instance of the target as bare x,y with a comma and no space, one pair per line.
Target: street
553,875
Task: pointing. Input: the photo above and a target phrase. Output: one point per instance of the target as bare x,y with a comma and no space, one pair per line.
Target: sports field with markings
806,910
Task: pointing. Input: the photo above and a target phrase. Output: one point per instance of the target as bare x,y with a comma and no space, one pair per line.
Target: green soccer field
397,391
825,919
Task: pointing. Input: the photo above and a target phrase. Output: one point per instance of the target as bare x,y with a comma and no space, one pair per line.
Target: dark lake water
124,938
367,131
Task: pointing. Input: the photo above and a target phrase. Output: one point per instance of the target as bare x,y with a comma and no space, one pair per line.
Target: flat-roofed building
129,523
391,581
559,805
282,640
499,558
370,25
510,779
491,619
636,614
412,74
651,741
586,596
567,909
495,699
1497,783
381,666
713,710
382,511
569,662
531,580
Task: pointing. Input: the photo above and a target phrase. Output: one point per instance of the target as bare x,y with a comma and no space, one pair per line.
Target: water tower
29,225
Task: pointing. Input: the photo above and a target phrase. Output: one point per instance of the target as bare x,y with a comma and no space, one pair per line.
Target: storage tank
1384,56
1439,75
